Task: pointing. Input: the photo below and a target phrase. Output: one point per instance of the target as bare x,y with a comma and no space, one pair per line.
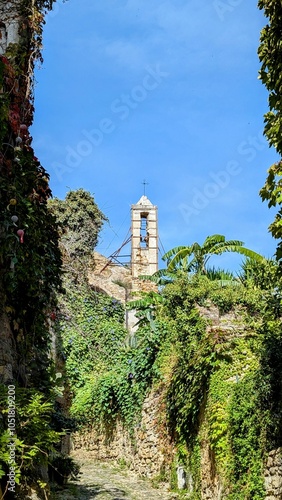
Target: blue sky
165,90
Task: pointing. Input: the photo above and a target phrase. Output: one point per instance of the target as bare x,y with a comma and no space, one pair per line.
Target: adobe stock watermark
225,6
220,180
11,406
119,110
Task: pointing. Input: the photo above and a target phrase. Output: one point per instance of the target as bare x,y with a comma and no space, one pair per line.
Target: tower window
144,236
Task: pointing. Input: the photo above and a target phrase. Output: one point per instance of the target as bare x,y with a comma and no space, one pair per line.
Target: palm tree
178,257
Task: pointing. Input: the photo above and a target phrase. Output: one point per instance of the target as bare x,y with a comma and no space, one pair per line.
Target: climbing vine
107,375
225,366
29,255
205,369
30,264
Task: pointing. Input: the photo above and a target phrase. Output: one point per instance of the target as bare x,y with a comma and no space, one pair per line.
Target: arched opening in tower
144,235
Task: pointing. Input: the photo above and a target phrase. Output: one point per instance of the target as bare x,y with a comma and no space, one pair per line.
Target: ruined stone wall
109,278
232,325
148,452
273,475
151,450
116,280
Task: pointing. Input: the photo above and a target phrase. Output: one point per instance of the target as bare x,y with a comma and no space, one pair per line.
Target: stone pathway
103,481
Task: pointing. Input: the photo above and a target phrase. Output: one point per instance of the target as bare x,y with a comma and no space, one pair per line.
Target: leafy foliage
34,439
30,260
204,369
246,426
107,375
269,386
80,221
270,55
216,244
198,349
211,369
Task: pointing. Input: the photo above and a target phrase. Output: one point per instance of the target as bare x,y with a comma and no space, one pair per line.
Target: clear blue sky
165,90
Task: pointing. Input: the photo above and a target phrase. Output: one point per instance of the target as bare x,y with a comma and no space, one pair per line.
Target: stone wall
149,452
110,278
9,24
273,475
116,280
228,326
211,485
8,355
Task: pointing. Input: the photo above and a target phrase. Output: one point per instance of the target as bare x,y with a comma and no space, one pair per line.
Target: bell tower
144,239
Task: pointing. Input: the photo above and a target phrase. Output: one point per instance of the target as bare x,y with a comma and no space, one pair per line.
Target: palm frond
226,246
218,274
174,251
148,300
251,254
178,257
212,240
160,277
180,260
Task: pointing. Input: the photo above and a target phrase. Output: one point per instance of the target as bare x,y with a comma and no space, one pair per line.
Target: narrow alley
103,481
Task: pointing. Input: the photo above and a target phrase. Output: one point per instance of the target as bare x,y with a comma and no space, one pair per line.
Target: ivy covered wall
219,375
212,354
30,263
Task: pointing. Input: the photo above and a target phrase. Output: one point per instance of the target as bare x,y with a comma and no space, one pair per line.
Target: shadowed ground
100,481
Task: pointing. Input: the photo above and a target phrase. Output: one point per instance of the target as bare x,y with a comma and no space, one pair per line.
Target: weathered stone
104,276
276,482
9,26
273,475
278,460
268,484
152,450
181,478
273,471
144,240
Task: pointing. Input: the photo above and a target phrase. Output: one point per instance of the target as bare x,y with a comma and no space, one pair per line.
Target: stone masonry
149,452
273,475
144,240
9,24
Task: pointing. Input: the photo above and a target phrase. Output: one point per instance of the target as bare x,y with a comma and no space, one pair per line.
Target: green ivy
246,424
79,220
108,376
214,370
205,371
30,262
35,439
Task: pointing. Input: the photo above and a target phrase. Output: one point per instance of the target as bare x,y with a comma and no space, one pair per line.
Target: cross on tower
145,184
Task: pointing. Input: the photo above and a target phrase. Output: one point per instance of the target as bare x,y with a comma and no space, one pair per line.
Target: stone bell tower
144,240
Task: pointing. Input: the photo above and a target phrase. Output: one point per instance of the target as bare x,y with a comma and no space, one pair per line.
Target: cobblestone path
103,481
